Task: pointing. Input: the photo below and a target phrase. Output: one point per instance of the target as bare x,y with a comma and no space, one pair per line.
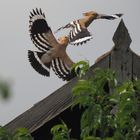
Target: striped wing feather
40,32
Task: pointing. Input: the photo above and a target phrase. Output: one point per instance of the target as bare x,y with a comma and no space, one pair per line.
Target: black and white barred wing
40,32
78,34
62,70
81,36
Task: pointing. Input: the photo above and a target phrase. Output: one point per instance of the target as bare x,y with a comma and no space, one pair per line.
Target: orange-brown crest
90,13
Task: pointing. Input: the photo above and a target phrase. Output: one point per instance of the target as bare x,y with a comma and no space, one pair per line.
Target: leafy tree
4,135
81,68
91,94
4,89
20,134
60,132
111,109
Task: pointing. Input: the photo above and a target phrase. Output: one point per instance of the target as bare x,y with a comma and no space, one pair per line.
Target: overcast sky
27,86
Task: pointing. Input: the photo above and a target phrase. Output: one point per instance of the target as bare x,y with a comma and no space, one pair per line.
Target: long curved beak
109,17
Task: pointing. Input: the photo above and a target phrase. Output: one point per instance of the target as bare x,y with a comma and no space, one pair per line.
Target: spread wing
40,32
78,34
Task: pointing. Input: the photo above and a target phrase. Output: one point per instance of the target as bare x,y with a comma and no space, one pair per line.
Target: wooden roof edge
102,57
33,117
45,120
137,55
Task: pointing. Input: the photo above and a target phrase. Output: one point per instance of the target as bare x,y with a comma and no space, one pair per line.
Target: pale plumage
79,33
52,52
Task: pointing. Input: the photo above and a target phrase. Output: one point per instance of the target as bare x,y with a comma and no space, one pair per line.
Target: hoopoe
52,52
79,33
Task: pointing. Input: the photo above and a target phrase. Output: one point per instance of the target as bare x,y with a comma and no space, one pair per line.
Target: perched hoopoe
52,52
79,33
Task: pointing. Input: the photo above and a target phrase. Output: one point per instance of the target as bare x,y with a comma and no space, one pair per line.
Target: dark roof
120,58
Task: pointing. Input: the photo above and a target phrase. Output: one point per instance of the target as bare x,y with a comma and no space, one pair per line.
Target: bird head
64,40
91,13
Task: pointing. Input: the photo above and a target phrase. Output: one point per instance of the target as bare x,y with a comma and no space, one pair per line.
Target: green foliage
4,89
4,135
81,68
111,109
89,92
60,132
92,138
20,134
92,95
125,121
99,105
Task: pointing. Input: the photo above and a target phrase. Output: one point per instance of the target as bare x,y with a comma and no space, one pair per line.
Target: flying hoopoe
79,33
52,52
